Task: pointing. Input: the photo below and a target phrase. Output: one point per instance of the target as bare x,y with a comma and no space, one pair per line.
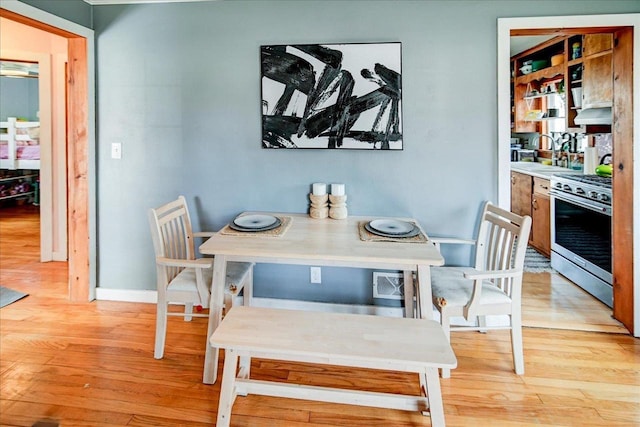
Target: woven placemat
367,236
276,232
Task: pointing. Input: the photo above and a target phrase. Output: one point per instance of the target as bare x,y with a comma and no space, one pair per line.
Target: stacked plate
255,223
392,228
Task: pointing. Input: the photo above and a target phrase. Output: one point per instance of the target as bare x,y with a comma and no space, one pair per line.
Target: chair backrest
172,235
502,244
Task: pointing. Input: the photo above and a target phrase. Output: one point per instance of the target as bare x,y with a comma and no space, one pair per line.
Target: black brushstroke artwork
344,96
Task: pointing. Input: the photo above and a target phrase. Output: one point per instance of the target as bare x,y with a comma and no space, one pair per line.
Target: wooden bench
363,341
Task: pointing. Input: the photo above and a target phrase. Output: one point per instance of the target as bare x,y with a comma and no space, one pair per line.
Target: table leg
409,294
424,292
215,317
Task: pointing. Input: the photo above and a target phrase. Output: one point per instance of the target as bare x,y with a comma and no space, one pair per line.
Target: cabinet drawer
541,186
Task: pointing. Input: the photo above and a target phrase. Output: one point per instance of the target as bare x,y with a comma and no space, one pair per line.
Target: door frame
505,25
80,93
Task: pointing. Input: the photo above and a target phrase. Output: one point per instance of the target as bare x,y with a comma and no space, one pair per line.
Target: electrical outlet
316,275
116,150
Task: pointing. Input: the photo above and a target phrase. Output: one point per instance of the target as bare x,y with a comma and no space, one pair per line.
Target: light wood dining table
320,242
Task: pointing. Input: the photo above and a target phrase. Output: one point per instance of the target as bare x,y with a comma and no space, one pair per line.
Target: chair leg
446,327
228,302
161,330
516,344
247,291
188,309
482,324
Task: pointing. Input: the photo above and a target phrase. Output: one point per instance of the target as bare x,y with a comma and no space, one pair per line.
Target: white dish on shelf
391,226
255,222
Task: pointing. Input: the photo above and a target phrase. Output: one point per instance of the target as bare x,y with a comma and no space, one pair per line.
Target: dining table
302,240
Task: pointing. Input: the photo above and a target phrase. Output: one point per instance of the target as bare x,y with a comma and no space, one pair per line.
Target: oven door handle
577,201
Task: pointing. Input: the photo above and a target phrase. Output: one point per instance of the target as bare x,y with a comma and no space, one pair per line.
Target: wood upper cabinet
597,73
596,43
541,216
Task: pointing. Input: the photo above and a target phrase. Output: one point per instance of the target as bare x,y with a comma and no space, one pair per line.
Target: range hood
594,116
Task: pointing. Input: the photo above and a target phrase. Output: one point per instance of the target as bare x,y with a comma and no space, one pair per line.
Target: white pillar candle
337,189
319,189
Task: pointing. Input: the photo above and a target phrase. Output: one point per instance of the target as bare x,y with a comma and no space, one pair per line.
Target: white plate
391,226
255,221
412,233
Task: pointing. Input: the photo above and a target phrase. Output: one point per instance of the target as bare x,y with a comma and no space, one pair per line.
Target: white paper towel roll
590,160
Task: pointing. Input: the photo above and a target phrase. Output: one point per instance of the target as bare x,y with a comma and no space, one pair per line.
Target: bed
19,144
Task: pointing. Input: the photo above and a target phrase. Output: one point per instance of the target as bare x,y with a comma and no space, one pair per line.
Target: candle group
337,206
320,189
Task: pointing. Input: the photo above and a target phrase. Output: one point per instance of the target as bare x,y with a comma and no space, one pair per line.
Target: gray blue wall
179,85
77,11
19,98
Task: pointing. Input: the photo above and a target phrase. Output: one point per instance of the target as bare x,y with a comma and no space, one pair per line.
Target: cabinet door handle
535,204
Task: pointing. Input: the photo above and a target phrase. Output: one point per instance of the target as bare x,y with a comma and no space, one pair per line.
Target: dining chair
493,285
181,277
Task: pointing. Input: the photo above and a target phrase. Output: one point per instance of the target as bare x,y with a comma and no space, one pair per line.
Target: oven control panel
588,187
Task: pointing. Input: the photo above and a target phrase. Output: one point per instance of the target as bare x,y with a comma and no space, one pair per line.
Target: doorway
626,289
80,141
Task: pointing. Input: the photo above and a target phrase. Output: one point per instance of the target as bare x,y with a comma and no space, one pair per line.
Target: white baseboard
326,307
127,295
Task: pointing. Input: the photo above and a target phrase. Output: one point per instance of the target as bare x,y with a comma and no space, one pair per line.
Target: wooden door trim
80,99
623,194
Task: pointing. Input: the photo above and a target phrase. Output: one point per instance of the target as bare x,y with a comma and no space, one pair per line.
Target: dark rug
534,262
8,296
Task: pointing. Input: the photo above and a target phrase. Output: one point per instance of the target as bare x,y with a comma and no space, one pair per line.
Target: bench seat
362,341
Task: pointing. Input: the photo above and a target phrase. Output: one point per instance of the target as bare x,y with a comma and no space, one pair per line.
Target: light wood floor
91,364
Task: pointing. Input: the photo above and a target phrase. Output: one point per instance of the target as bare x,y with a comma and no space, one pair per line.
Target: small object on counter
604,170
547,162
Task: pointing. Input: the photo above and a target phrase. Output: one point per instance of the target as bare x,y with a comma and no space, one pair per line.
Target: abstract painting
335,96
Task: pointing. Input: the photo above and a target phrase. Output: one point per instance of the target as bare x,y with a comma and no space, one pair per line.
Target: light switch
116,150
316,275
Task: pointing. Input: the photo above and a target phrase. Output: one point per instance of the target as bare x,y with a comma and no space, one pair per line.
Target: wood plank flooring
91,364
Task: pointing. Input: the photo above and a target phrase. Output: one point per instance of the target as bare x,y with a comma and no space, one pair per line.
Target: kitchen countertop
540,170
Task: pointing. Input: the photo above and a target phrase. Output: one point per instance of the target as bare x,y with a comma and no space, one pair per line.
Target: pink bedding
27,152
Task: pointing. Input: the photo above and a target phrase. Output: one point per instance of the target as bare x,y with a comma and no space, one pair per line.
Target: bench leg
435,397
244,372
227,389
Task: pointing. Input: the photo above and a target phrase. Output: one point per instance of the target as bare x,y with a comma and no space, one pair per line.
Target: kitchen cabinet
538,76
521,193
597,43
530,196
584,79
597,71
540,237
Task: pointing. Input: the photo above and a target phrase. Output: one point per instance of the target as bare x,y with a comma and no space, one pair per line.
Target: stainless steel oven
581,241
